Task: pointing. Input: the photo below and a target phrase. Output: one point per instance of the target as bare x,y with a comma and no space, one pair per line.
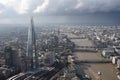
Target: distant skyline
60,11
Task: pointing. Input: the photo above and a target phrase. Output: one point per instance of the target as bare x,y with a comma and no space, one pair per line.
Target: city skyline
59,39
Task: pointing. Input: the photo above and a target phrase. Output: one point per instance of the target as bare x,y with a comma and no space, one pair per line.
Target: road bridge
85,50
93,61
76,37
86,47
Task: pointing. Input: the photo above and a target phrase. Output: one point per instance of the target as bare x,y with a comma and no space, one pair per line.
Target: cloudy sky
60,11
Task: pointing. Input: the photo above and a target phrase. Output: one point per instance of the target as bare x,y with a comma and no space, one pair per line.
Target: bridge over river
89,61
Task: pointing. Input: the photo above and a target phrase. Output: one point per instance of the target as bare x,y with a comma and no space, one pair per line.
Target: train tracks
46,74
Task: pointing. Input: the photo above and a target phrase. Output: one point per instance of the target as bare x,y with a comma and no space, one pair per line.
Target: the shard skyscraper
31,48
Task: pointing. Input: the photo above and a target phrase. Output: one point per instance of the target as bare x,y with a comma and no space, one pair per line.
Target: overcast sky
60,11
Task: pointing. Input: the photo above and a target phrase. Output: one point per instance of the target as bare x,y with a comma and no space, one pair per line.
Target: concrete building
12,58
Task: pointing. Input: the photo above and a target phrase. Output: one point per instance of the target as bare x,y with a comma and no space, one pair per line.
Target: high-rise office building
12,58
31,48
9,56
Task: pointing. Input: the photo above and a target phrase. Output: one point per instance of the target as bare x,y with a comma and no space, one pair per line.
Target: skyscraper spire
31,47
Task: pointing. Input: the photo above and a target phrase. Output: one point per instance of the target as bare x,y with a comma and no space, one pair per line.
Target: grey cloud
67,6
84,11
83,6
2,7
